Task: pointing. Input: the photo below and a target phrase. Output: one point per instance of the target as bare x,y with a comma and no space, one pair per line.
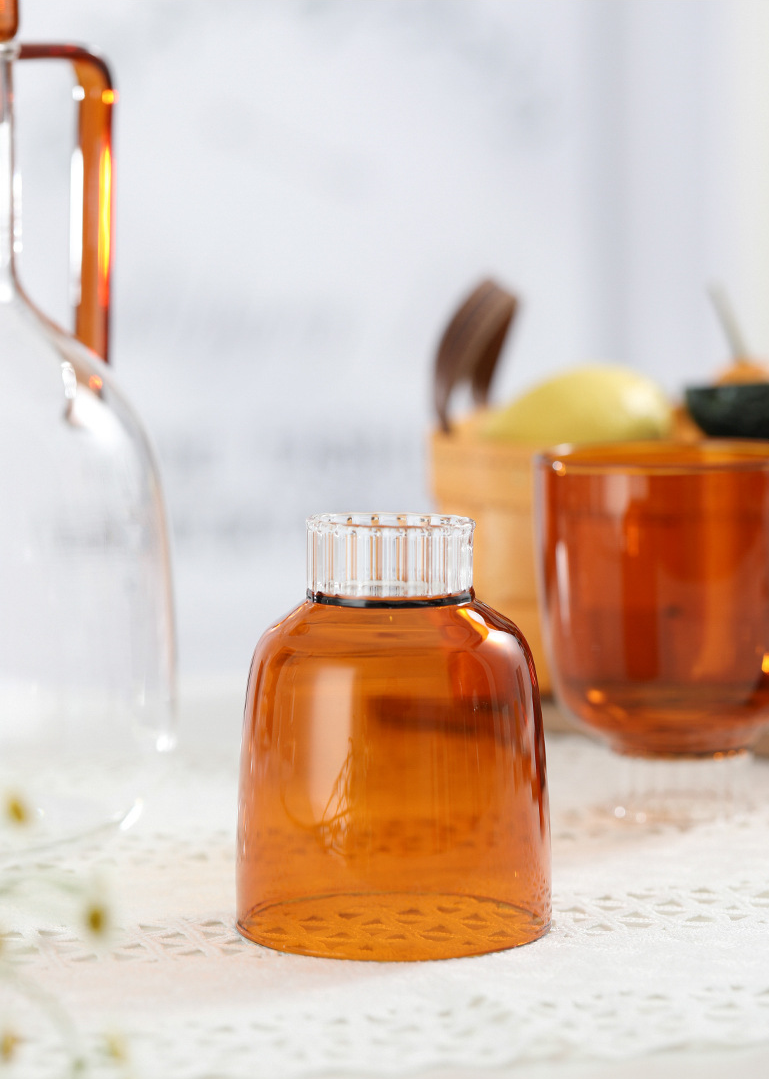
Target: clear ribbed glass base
682,790
389,554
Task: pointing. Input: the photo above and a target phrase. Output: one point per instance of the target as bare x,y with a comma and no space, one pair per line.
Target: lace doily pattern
660,940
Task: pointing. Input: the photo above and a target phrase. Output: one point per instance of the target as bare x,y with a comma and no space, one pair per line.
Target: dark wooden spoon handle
471,344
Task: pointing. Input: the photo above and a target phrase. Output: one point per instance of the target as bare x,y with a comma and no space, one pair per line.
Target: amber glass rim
652,457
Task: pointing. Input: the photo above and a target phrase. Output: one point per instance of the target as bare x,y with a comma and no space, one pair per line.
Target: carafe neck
9,221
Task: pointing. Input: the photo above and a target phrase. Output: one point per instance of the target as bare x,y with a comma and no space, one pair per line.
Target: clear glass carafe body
87,634
393,799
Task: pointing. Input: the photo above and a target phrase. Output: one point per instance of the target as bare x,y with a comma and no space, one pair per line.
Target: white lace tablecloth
660,943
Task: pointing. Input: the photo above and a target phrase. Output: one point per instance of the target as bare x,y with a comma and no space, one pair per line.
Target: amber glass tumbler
393,800
655,560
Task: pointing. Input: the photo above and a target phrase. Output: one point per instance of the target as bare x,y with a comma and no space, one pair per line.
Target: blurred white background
305,189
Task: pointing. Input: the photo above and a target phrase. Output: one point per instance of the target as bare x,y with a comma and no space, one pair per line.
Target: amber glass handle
96,97
9,19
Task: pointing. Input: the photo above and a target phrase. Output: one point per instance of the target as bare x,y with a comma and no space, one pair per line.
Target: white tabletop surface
657,963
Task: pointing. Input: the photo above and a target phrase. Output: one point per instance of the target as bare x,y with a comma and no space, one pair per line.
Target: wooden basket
492,483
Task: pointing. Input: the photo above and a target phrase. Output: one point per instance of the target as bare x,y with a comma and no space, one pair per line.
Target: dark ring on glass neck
374,601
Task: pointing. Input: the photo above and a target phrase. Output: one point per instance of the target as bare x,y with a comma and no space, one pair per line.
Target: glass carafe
393,800
86,623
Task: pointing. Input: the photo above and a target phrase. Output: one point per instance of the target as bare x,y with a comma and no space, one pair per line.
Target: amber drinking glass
393,800
655,590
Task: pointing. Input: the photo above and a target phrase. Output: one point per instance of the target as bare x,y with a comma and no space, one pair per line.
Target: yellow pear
595,403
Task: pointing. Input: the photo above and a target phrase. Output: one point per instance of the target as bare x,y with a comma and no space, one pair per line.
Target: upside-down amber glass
655,562
393,800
